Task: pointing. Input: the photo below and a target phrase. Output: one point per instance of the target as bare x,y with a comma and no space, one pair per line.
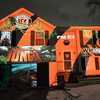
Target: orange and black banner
28,54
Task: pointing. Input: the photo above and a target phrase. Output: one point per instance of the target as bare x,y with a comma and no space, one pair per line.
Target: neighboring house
77,53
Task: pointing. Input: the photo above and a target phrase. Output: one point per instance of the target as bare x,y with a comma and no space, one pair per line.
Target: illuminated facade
25,29
76,51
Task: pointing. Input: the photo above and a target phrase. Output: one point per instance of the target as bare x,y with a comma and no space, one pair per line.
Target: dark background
58,12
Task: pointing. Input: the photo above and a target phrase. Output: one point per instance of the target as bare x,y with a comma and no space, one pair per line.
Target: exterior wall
91,68
70,48
38,25
25,40
75,48
52,74
91,64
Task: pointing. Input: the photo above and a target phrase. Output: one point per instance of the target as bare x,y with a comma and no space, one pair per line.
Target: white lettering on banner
61,37
70,36
64,37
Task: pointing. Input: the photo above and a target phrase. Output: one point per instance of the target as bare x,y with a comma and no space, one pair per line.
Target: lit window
39,38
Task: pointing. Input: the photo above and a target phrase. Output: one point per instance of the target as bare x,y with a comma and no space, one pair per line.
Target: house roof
59,30
43,21
17,12
14,14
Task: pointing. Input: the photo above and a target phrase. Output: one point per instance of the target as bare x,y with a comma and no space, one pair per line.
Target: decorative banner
87,33
86,51
31,54
90,51
5,38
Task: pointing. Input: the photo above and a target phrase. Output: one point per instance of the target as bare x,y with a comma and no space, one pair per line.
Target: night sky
58,12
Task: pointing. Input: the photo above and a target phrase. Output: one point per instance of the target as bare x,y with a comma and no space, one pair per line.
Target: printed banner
31,54
29,71
5,38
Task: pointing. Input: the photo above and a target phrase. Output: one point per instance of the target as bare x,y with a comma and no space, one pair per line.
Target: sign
22,21
21,55
31,54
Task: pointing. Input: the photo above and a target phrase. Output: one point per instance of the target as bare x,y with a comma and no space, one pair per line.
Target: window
89,37
67,60
39,38
67,56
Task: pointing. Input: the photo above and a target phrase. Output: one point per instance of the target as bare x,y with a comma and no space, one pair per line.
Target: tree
3,59
53,38
92,5
5,72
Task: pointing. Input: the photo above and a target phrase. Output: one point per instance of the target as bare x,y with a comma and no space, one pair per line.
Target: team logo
22,21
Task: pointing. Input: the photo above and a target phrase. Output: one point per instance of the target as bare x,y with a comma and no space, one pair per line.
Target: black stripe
81,39
97,63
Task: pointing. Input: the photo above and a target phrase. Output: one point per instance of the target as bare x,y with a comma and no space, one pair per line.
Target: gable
21,11
20,19
41,25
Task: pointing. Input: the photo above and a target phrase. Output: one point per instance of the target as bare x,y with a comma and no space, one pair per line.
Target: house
77,54
77,48
24,28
